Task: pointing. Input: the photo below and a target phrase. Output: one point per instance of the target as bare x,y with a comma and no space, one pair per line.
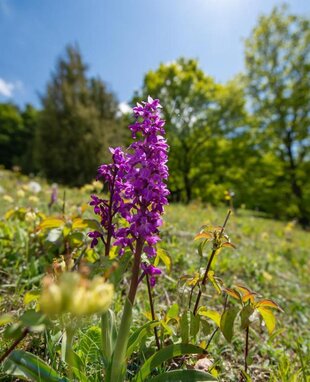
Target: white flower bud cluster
72,293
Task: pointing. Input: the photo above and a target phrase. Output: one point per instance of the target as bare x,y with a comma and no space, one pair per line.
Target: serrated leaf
227,322
268,317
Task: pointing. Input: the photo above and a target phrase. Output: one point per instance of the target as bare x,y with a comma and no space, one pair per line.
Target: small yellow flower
8,198
33,199
20,193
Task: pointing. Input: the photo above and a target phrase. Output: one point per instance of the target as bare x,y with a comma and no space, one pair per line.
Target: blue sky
122,39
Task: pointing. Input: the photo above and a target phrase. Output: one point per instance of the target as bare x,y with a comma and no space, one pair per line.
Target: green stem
107,335
118,364
69,352
205,277
118,369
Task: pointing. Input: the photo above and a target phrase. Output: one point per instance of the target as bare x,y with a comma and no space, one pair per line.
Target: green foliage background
249,135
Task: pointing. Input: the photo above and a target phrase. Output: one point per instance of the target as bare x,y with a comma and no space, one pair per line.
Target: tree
200,114
30,122
277,71
11,130
77,122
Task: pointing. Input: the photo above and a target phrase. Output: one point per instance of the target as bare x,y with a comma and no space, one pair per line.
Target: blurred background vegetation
248,137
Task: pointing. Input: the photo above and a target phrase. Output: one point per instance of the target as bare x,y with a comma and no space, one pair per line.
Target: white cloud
124,108
8,88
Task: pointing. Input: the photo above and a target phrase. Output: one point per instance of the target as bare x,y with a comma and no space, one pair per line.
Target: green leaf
245,314
173,311
33,318
31,296
212,314
194,327
227,322
205,327
166,259
163,355
183,376
89,346
268,317
184,326
27,366
137,337
214,282
51,223
6,318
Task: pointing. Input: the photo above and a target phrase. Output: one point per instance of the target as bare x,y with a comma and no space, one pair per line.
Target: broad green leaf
162,255
212,314
214,282
33,319
194,326
205,327
163,355
79,223
51,223
93,224
268,317
173,311
137,337
245,314
27,366
227,322
166,327
183,376
184,326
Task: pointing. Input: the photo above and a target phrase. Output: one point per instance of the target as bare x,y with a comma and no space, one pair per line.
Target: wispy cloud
7,89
